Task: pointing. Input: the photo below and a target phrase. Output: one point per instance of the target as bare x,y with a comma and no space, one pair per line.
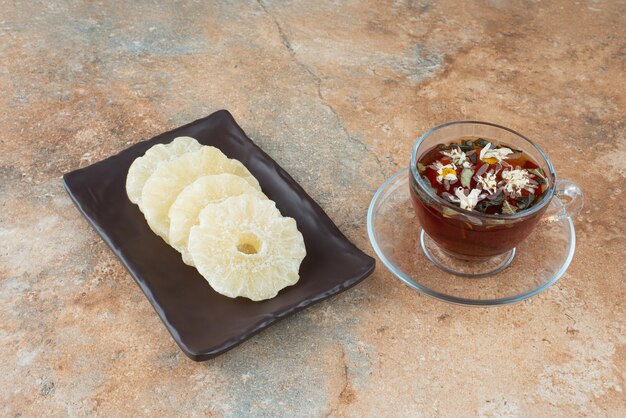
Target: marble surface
337,93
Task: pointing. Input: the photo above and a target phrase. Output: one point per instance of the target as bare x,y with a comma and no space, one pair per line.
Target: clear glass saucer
395,233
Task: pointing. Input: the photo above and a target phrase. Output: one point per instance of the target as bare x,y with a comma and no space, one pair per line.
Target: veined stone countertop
337,93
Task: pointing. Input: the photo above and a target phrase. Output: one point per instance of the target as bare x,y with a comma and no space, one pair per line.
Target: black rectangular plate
203,322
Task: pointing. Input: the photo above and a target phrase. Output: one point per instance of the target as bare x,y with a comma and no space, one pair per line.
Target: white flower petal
457,156
516,180
440,168
499,153
468,201
488,182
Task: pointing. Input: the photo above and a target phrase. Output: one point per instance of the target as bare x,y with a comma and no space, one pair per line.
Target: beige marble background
337,93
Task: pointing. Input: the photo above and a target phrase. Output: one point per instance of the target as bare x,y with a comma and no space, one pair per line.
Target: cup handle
569,199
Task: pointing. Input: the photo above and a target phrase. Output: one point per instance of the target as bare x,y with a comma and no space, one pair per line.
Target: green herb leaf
482,206
481,142
448,199
466,177
539,176
524,201
498,200
537,172
485,203
466,148
447,212
420,167
507,208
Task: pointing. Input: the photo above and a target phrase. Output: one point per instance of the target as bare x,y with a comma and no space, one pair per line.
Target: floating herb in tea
477,174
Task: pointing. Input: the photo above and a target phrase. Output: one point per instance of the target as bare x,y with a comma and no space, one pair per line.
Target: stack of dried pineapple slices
212,210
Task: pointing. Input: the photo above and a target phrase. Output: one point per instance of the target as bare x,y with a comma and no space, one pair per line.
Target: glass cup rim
524,213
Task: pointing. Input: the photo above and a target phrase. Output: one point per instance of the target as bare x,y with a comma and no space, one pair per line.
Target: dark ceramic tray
203,322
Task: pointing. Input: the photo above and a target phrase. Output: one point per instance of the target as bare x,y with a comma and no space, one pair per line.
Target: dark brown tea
478,177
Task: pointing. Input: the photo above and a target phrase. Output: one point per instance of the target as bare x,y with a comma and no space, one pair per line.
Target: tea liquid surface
478,174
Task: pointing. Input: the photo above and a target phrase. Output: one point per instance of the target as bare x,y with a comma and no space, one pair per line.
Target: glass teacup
475,244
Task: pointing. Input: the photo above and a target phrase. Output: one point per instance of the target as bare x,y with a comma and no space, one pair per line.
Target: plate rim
271,318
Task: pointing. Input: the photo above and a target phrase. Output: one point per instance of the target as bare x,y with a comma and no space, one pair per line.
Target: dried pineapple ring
206,190
170,178
244,247
143,167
